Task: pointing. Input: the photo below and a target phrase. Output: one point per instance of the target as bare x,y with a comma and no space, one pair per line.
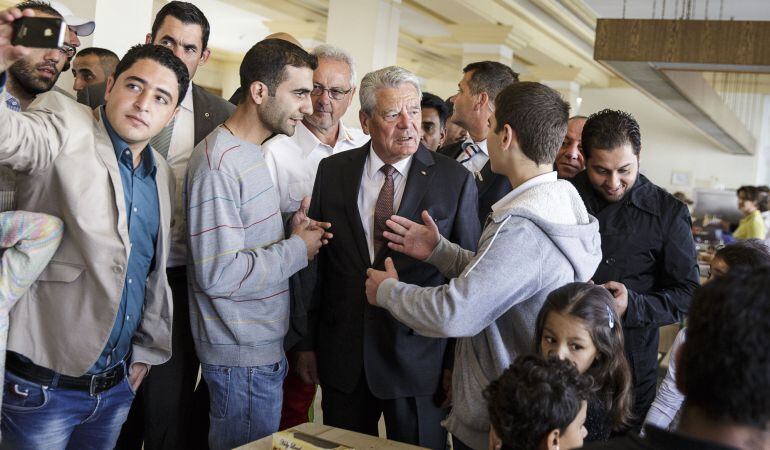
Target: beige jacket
66,167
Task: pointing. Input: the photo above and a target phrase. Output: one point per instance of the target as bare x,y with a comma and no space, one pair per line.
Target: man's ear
258,92
507,138
552,440
108,87
205,55
148,39
443,137
176,111
482,102
364,121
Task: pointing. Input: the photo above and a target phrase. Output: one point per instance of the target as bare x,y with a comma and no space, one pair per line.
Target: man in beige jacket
83,338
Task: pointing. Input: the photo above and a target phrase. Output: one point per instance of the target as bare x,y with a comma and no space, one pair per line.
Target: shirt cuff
383,292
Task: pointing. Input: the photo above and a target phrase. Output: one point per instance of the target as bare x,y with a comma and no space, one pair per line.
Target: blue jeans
245,402
48,417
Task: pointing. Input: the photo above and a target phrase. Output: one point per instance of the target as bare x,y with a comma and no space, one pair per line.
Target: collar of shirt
482,145
308,141
11,102
374,163
123,152
187,101
504,203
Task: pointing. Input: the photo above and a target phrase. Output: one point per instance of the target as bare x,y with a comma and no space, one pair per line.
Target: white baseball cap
82,27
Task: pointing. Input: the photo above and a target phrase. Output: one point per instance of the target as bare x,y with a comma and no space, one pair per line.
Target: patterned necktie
469,151
162,141
384,208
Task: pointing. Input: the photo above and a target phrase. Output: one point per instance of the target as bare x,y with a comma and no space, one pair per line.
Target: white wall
669,144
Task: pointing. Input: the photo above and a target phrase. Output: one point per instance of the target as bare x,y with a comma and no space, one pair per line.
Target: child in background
751,226
577,323
27,242
664,411
539,404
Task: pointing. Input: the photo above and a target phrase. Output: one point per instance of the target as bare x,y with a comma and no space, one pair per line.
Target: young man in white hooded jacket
537,238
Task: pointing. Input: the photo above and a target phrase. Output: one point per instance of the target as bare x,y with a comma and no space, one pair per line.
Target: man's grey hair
337,54
389,77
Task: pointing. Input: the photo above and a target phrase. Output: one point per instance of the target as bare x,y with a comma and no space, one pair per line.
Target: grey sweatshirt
537,241
239,262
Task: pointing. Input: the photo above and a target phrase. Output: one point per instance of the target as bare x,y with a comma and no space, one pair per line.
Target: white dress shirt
479,160
371,182
293,161
179,150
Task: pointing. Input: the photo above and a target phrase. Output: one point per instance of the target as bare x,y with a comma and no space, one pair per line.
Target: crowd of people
485,266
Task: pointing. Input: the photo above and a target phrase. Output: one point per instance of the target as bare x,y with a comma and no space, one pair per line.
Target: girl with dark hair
578,323
751,226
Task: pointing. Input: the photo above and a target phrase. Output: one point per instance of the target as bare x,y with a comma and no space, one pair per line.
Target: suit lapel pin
206,114
423,172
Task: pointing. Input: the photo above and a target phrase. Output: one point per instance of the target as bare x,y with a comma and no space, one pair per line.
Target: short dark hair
724,368
107,58
539,117
490,77
450,105
266,61
533,397
186,13
162,56
43,7
750,193
749,253
609,129
434,101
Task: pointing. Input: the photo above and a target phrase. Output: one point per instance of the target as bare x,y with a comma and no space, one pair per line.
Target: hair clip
609,317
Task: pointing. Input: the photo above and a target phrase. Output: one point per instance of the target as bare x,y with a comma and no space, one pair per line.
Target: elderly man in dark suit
473,106
368,363
164,412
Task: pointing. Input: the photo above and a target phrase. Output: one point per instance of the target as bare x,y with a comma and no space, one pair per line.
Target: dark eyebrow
168,38
161,90
301,91
135,78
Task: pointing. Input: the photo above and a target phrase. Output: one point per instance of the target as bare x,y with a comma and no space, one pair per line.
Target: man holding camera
85,335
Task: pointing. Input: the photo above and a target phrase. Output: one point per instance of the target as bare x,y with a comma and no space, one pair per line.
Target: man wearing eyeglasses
32,75
293,162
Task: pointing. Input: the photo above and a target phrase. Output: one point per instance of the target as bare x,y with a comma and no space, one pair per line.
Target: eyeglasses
334,93
67,50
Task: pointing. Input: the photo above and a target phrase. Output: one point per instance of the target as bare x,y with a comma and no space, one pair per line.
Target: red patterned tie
384,208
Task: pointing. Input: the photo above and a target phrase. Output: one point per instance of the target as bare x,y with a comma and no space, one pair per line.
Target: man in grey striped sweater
240,262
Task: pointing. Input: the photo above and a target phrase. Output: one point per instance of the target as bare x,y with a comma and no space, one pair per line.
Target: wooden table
349,438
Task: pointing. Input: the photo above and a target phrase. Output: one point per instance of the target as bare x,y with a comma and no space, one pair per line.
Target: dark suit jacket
209,110
491,189
347,333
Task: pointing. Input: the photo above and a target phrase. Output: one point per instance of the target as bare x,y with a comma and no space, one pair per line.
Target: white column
368,29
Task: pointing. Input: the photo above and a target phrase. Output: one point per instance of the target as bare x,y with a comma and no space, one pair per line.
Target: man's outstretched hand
412,238
375,277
